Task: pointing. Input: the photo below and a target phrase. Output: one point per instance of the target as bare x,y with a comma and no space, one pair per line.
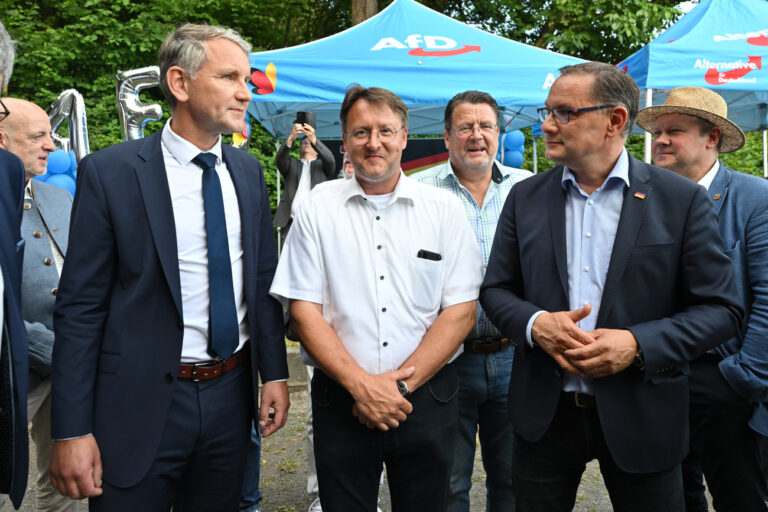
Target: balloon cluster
62,170
511,148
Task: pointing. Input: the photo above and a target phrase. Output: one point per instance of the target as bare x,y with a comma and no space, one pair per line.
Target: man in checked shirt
472,174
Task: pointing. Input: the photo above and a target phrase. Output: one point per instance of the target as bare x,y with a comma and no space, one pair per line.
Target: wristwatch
402,387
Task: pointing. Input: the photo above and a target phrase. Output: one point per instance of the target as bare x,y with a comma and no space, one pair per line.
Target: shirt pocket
426,283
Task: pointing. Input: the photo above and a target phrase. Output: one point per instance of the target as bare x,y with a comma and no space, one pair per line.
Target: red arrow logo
758,41
421,52
715,77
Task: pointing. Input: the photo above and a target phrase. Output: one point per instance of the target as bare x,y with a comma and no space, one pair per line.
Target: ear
617,119
445,138
177,81
4,141
713,137
405,138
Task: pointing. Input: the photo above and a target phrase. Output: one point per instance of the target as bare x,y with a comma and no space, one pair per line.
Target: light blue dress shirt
591,221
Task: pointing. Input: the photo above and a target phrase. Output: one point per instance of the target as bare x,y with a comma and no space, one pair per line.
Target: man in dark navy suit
14,446
163,322
610,275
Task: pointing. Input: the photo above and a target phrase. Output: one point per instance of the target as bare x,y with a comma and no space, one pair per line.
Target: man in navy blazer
14,447
609,275
729,384
163,322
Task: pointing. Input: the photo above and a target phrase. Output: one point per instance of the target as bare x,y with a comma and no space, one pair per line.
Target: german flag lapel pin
639,195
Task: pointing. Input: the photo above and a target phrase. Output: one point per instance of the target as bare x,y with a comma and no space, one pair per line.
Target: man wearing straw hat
728,384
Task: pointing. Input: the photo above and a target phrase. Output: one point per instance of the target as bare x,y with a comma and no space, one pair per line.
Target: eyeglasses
4,112
469,129
385,135
562,115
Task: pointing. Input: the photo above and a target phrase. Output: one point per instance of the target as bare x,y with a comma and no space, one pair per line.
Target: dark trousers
547,473
349,456
723,446
201,458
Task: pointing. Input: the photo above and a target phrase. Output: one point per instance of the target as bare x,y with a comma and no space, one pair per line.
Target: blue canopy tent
421,55
721,45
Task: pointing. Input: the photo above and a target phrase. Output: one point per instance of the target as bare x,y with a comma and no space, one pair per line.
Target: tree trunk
363,9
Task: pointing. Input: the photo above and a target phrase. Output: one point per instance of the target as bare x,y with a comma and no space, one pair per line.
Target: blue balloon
514,140
513,158
58,162
62,181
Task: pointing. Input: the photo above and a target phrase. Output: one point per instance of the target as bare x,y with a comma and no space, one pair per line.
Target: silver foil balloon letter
69,106
133,114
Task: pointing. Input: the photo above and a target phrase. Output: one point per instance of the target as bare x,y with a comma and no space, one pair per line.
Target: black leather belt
580,400
486,345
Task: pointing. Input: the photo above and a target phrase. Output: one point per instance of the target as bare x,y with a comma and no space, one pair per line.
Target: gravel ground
284,473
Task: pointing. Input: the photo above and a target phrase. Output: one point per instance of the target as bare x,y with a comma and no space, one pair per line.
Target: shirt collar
620,171
183,150
405,188
707,179
446,173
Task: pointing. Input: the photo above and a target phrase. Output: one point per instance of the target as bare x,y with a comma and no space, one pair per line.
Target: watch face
402,387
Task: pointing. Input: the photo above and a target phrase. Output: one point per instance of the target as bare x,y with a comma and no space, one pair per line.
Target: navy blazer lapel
556,213
636,200
55,214
153,182
719,188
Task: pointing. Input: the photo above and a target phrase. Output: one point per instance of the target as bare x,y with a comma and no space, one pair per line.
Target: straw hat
697,102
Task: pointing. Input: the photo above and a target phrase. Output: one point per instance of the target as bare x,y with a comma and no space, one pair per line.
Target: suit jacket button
48,261
37,233
55,292
168,377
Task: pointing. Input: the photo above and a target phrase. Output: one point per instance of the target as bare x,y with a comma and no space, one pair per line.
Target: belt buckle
211,364
579,403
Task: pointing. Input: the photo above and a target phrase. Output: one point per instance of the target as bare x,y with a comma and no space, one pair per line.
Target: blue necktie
223,329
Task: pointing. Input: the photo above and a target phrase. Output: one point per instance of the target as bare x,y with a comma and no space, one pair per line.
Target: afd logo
758,38
433,46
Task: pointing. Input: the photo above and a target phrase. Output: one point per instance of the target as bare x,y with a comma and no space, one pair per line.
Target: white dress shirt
359,261
303,188
185,181
707,179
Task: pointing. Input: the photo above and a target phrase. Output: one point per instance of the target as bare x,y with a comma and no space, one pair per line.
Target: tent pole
765,153
535,157
648,102
277,184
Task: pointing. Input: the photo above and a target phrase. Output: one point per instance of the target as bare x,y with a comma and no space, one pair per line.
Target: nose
549,125
243,93
373,141
660,139
48,144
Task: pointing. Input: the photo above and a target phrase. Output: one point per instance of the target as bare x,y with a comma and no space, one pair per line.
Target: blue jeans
250,497
483,389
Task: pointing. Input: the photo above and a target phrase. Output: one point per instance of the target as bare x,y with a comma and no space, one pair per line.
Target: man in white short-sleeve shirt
381,302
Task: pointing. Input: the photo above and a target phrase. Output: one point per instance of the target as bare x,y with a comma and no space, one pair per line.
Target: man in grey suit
316,166
45,226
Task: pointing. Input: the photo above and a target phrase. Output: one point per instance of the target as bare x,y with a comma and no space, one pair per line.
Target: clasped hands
597,353
378,403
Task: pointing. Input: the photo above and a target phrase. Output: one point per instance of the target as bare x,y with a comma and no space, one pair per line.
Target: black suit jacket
321,169
118,320
13,336
668,282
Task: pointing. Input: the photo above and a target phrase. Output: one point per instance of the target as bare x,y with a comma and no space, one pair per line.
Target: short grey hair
7,53
611,86
186,47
